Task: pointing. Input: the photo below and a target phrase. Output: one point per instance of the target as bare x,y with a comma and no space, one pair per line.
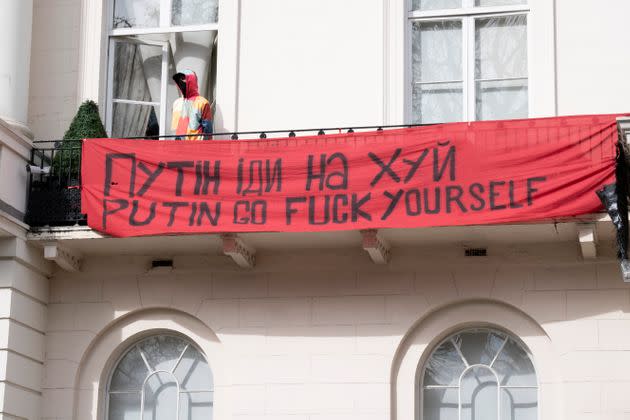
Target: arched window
479,374
164,378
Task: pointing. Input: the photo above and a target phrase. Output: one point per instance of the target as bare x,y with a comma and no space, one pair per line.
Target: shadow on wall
316,316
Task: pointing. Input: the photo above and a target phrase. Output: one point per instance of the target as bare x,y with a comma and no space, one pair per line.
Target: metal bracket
242,254
378,249
65,258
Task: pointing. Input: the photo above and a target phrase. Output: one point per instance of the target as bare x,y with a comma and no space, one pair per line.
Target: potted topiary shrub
67,159
55,198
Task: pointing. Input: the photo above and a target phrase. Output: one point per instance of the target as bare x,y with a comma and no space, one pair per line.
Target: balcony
55,217
54,192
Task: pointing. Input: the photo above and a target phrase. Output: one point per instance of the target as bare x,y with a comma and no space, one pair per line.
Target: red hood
192,86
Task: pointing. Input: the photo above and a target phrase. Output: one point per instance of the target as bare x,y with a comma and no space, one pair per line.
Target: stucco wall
285,64
23,296
310,64
314,335
590,60
54,67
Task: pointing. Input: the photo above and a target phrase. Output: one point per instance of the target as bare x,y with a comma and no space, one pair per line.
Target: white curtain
501,67
130,83
437,71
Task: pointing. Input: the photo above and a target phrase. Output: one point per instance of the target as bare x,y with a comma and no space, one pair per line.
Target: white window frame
126,35
467,15
468,367
152,372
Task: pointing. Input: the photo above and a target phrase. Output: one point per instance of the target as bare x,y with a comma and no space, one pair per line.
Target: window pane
501,47
479,346
162,351
124,406
444,367
502,100
160,398
137,72
131,120
519,404
437,103
483,3
436,4
136,13
514,366
437,51
194,12
195,406
193,371
479,395
440,404
130,373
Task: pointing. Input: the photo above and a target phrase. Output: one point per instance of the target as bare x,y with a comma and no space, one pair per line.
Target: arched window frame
429,330
450,337
136,344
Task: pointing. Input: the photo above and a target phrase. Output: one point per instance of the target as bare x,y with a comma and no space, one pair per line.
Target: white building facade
516,322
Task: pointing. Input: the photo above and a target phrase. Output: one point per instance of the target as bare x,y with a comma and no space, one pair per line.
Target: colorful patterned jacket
192,113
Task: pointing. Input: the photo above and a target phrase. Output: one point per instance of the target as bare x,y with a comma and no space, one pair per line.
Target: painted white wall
313,336
23,297
12,168
592,58
310,64
15,152
54,67
317,334
298,63
15,43
541,58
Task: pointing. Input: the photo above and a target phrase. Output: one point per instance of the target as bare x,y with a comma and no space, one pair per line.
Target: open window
149,41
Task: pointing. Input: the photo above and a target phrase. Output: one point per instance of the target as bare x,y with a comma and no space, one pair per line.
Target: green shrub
85,124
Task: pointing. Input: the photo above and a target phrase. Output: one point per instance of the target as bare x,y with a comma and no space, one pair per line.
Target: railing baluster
70,149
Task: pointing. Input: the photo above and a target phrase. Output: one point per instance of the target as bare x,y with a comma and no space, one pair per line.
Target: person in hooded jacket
192,116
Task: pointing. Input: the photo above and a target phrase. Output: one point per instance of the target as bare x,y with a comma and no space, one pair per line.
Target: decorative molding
12,226
243,255
587,236
57,233
66,259
378,249
14,139
11,211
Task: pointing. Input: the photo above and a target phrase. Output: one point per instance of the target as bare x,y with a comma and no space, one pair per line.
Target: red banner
442,175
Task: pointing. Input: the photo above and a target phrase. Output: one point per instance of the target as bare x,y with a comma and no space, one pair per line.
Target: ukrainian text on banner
443,175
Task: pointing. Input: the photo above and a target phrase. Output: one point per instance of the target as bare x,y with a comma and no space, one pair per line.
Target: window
468,60
164,378
479,374
148,41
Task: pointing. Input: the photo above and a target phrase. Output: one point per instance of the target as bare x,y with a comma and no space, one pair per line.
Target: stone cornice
14,140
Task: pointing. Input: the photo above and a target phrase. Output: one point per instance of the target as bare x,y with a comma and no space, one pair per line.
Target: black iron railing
55,172
54,196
